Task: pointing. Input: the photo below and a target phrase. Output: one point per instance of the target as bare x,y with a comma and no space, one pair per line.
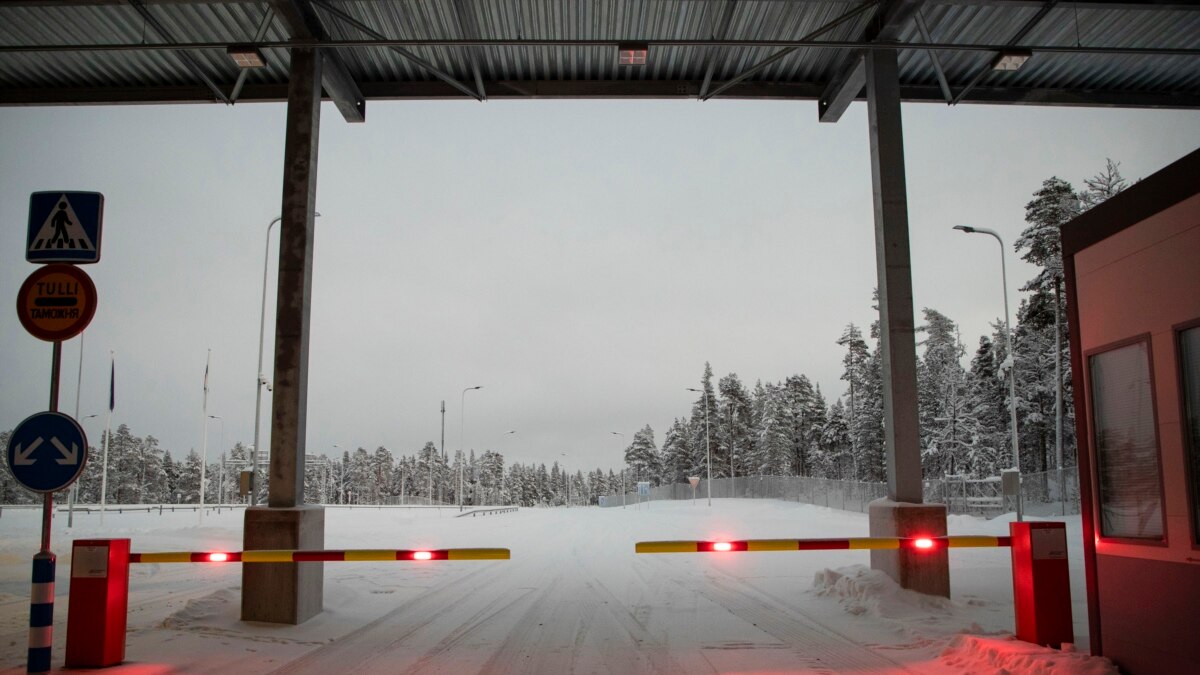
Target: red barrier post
1041,583
99,603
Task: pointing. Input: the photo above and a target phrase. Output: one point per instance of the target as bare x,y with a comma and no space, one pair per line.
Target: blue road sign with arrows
64,227
47,452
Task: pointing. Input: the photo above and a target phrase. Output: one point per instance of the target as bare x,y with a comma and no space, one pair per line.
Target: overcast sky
579,260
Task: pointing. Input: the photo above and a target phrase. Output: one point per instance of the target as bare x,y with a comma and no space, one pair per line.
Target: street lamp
617,433
462,426
221,475
261,379
707,442
1012,355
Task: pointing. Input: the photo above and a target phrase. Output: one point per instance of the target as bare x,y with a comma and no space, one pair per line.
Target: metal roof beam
470,29
188,60
786,52
1020,34
719,33
598,89
851,77
437,72
302,23
933,57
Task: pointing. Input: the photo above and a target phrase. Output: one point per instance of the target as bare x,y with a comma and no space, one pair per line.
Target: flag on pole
206,378
112,386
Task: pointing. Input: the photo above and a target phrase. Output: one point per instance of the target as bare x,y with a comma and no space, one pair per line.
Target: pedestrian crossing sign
64,227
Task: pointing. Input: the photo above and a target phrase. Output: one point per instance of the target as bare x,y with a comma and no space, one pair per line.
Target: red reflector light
218,557
422,555
720,546
923,543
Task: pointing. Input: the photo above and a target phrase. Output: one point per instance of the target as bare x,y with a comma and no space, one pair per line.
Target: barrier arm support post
1041,583
99,603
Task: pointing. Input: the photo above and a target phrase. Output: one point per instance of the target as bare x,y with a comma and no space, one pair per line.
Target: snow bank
978,655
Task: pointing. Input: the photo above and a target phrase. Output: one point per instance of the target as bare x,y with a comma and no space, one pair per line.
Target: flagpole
204,447
107,425
71,494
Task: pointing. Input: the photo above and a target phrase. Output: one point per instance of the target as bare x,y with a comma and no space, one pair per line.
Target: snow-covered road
574,598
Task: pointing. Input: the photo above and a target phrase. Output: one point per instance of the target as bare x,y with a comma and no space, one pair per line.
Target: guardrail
488,512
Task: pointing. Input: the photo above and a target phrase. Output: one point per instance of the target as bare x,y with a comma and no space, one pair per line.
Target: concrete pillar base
289,593
927,573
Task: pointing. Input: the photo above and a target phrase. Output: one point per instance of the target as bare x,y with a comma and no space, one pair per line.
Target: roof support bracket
850,77
302,24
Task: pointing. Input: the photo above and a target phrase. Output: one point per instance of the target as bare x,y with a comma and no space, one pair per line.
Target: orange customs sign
56,302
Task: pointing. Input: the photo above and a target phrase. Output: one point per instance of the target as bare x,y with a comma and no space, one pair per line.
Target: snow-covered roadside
604,609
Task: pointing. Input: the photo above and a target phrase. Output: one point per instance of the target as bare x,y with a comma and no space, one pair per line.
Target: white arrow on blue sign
47,452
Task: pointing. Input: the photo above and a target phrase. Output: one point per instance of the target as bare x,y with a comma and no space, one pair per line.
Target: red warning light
720,546
218,557
422,555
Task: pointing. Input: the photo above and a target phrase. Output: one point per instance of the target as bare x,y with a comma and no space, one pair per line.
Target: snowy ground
573,599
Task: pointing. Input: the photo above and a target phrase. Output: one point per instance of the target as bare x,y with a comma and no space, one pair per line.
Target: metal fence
1042,493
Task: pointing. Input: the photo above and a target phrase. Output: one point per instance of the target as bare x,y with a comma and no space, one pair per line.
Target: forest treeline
787,427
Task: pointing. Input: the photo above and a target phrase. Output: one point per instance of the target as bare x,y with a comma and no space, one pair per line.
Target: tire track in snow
349,651
820,648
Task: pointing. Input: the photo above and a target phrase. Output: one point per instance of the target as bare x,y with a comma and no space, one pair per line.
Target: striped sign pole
41,613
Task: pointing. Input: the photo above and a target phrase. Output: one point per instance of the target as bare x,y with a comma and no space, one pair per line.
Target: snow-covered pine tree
736,427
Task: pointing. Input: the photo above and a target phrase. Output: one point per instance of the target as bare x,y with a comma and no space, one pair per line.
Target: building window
1126,443
1189,359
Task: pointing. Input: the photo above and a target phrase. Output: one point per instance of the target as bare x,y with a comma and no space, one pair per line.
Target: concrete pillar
291,592
902,514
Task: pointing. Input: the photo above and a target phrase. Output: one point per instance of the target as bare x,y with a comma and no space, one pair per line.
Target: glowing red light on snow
722,546
218,557
923,543
422,555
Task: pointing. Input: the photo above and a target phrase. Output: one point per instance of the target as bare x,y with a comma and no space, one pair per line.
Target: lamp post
617,433
261,380
462,456
509,432
221,474
1012,355
707,442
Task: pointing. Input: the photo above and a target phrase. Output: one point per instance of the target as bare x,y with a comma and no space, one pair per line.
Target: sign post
47,451
694,480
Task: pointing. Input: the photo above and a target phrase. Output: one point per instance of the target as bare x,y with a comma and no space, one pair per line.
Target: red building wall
1133,273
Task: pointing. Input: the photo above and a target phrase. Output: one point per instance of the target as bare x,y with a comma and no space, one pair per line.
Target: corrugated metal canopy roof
127,51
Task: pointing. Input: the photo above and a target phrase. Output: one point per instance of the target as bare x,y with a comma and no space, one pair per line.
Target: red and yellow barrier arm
351,555
850,543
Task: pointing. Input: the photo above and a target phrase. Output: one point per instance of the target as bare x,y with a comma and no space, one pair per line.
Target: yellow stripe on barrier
772,545
478,554
369,555
972,541
665,547
167,557
873,543
266,556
